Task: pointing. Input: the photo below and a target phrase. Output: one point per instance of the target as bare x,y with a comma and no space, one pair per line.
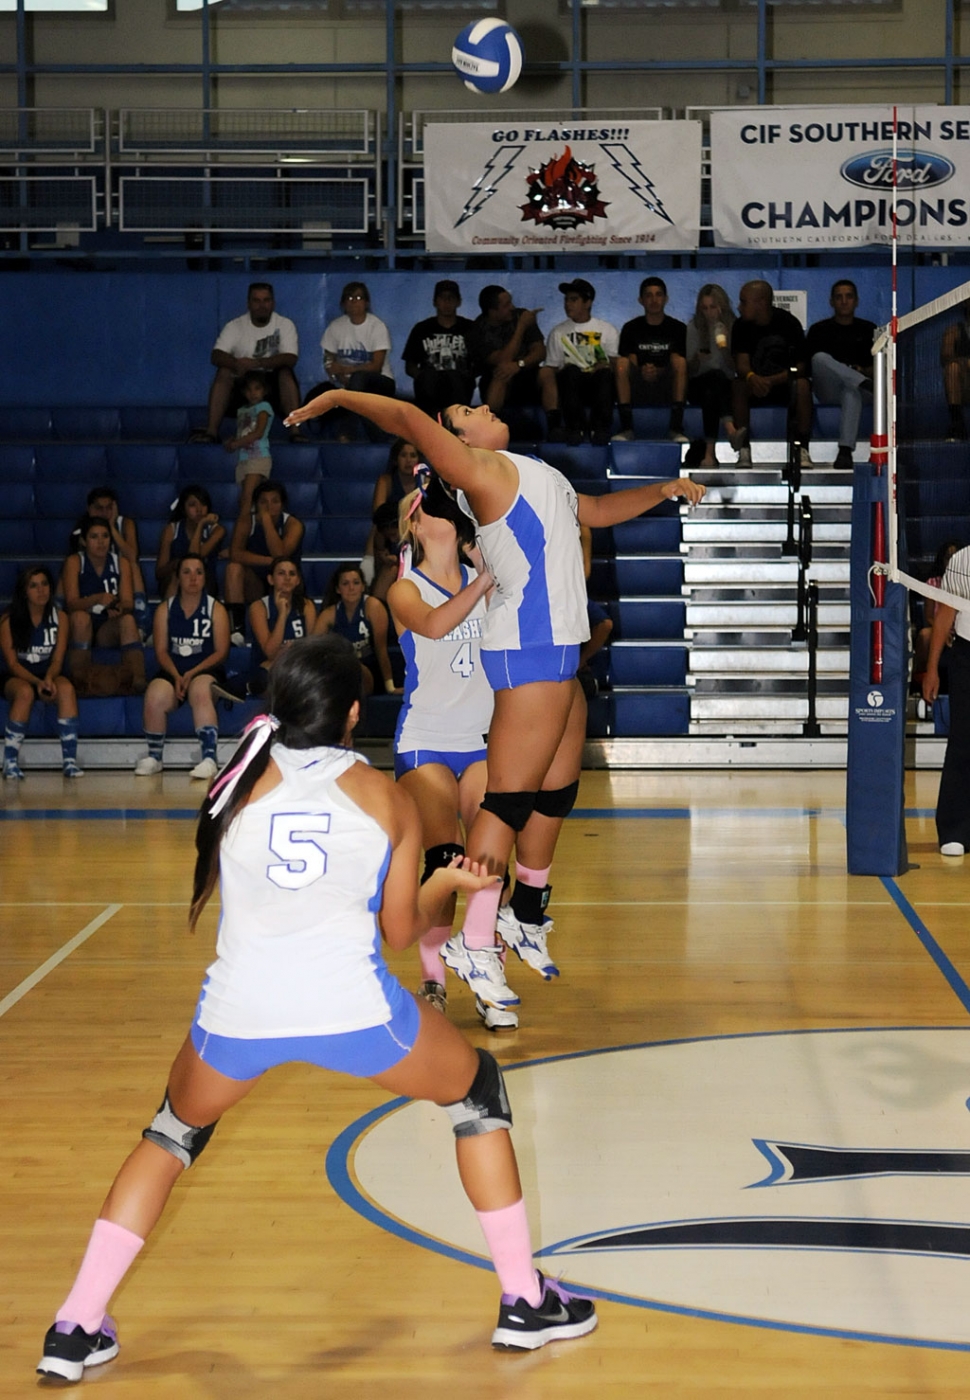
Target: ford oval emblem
915,170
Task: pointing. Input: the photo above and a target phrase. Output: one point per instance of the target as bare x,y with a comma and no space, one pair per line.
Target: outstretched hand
692,491
469,875
321,404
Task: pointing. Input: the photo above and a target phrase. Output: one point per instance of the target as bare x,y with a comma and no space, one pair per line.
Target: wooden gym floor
318,1248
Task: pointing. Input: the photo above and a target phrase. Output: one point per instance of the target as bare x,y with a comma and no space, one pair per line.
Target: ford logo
915,170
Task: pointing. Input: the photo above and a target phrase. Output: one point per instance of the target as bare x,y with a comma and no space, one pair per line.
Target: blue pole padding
874,807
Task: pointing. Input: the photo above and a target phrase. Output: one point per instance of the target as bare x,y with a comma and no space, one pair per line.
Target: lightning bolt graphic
636,177
483,190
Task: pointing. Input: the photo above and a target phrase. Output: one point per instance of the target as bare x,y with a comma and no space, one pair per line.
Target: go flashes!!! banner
557,187
819,177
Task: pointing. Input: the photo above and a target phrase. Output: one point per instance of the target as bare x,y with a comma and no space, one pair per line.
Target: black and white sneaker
68,1349
560,1316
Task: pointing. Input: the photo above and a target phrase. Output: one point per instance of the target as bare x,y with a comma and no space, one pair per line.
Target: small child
253,422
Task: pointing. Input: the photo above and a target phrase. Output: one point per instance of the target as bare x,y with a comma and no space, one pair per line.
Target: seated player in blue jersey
350,612
193,529
438,607
528,518
99,595
260,536
316,857
33,645
390,488
103,502
191,635
283,616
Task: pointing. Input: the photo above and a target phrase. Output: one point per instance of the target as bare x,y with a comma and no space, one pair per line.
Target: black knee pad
512,808
439,857
485,1108
559,802
181,1139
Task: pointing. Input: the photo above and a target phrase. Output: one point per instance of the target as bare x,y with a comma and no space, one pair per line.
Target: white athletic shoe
205,770
481,969
952,848
147,767
71,770
495,1018
805,457
744,457
528,940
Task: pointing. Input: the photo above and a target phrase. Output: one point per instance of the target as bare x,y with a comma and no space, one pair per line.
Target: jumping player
438,606
528,519
316,855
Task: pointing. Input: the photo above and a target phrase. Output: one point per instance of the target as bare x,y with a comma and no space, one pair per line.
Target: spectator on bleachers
387,550
103,502
193,529
363,621
282,616
580,369
955,359
356,347
654,347
839,353
391,486
600,622
261,535
768,345
191,634
33,642
437,354
507,350
710,368
98,594
259,340
251,440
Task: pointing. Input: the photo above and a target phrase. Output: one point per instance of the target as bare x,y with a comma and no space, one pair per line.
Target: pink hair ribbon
263,727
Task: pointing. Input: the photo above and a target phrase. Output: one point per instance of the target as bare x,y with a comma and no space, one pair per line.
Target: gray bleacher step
770,493
714,510
758,531
769,571
754,728
697,551
765,614
776,638
767,592
743,686
765,660
727,708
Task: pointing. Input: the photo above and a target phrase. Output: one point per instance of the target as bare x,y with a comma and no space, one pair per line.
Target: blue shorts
419,758
361,1053
507,670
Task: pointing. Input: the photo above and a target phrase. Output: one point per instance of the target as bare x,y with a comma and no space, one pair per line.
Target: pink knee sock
432,968
110,1253
480,916
538,879
506,1233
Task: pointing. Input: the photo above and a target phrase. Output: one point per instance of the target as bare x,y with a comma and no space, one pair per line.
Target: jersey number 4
293,837
462,663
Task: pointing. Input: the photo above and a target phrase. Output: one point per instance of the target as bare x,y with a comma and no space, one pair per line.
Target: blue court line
176,814
957,985
99,814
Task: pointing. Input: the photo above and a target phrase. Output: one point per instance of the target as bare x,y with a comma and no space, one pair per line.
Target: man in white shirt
260,340
580,368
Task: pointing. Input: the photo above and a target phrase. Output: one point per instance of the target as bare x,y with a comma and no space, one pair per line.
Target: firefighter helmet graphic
563,193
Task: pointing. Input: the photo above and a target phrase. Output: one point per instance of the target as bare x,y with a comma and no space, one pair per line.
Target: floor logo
814,1180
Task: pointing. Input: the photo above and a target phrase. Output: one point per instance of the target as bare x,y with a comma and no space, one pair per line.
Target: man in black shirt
654,348
507,350
768,346
839,350
437,354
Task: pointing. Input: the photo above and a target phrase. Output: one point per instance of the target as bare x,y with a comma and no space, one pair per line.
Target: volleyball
487,55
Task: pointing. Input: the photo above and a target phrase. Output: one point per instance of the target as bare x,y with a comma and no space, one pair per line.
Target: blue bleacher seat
316,575
344,535
649,575
348,496
25,424
597,487
86,424
83,464
628,483
9,569
657,459
148,424
147,500
598,717
225,500
18,499
102,718
648,534
663,617
576,463
52,537
205,462
769,423
645,665
828,416
602,579
17,538
142,462
56,499
16,463
638,712
380,715
296,461
651,422
353,460
303,498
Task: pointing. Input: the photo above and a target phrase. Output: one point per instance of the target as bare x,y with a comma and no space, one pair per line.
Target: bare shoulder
377,795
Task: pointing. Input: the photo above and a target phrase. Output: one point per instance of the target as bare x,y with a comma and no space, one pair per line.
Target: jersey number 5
293,837
462,663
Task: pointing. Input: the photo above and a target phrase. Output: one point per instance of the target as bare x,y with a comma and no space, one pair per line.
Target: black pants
361,383
711,393
437,389
953,803
582,389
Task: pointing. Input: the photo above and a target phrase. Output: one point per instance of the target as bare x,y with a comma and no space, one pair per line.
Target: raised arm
412,614
599,512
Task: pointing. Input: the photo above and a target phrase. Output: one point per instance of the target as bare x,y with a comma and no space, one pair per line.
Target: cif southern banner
553,187
822,177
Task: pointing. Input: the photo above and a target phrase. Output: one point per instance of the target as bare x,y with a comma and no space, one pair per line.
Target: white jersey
447,698
301,874
535,556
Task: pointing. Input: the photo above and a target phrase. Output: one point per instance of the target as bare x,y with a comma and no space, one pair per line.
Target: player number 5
293,837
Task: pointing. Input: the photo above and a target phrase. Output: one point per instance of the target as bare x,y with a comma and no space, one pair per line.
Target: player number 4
462,663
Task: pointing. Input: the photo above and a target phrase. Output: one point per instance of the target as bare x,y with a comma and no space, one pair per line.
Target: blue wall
117,338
